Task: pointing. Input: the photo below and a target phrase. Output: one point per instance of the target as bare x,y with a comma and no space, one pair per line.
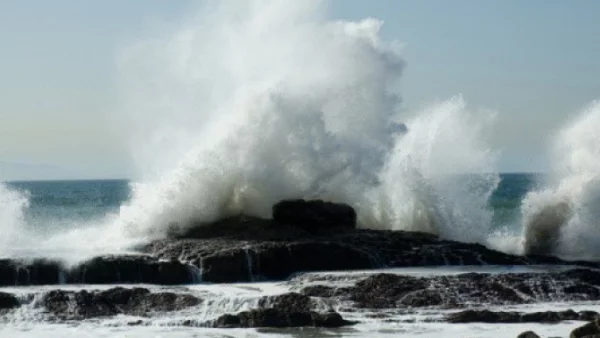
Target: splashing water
269,102
250,103
563,217
12,220
275,102
440,176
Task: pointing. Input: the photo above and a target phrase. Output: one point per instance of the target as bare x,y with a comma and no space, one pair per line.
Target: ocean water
244,103
74,204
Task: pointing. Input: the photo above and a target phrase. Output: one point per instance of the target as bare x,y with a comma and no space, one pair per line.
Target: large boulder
278,318
314,215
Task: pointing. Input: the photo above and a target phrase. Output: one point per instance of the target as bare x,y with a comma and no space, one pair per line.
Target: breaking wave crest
246,108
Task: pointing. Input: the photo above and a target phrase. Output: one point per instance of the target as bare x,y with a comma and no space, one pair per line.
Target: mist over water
249,103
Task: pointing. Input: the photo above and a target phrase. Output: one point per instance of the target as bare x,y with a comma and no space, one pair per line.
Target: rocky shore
302,236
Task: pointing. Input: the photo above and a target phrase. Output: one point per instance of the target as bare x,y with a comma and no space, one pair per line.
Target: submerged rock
285,310
486,316
528,334
279,318
589,330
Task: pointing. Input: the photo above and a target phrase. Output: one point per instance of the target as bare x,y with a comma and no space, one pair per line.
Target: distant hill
14,171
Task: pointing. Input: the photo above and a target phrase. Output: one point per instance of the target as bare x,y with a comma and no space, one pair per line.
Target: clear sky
535,62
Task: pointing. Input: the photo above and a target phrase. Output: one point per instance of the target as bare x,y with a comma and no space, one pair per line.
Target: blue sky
535,62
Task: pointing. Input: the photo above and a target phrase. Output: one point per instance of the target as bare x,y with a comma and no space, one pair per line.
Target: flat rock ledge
301,236
390,291
486,316
279,311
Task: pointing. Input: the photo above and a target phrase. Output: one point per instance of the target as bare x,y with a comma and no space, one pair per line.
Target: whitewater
248,103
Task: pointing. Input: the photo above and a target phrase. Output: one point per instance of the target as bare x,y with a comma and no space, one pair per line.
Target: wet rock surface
380,291
301,236
30,272
314,215
131,269
8,301
486,316
263,250
589,330
71,305
98,270
528,334
288,302
280,318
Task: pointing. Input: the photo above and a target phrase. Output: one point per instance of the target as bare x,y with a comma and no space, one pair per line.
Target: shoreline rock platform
305,236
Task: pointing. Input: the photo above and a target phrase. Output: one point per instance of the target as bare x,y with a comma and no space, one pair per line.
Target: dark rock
36,272
278,318
275,253
69,305
528,334
310,256
8,301
228,321
288,302
329,319
227,266
65,305
422,298
275,261
385,290
482,316
396,291
240,227
314,215
319,291
486,316
130,269
589,330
